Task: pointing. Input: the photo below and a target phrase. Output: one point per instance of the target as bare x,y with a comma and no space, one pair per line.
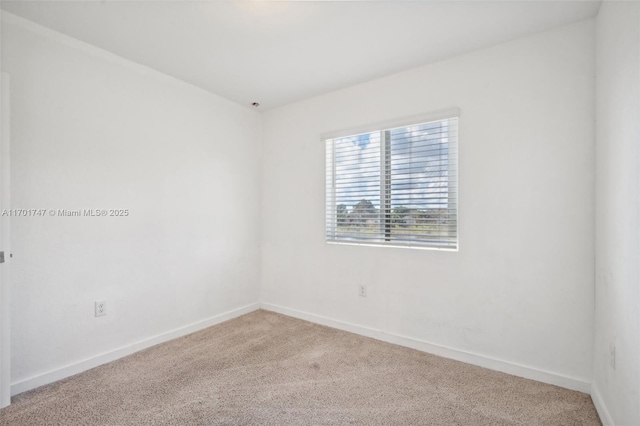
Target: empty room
320,212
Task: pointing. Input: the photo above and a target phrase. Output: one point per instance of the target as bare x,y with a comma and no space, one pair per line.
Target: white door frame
5,238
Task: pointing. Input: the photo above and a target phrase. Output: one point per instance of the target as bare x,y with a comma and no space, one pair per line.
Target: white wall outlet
101,308
362,290
612,355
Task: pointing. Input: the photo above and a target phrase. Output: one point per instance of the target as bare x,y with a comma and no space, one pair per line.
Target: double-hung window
394,186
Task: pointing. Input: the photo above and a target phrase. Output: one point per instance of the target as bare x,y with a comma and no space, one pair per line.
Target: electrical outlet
362,290
101,308
612,355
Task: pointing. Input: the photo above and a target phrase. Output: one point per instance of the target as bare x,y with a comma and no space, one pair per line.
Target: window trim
383,126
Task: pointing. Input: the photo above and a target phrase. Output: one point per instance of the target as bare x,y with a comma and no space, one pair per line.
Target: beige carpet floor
269,369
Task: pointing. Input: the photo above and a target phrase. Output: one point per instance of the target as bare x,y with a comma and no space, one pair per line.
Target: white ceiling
280,52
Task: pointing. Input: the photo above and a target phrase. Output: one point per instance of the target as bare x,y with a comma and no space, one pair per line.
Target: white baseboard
443,351
456,354
603,412
89,363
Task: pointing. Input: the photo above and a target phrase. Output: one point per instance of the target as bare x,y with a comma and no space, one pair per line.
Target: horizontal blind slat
417,154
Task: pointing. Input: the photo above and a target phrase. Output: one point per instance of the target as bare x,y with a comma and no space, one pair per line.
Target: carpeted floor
269,369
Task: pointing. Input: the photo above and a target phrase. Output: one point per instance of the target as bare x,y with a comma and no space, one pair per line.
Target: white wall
5,239
91,130
617,319
520,289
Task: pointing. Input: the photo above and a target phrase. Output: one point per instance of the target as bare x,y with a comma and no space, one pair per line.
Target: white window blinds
394,186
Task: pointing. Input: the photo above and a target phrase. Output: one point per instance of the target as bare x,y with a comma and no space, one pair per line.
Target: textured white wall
5,340
94,131
521,287
617,319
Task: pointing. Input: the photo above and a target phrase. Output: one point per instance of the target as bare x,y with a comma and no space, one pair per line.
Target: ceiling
280,52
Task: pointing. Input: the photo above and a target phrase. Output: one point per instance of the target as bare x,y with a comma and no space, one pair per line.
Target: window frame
384,128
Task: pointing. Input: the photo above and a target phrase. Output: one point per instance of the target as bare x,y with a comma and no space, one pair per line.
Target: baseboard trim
95,361
601,407
443,351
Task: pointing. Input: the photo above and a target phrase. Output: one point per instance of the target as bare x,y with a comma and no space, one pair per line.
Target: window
396,186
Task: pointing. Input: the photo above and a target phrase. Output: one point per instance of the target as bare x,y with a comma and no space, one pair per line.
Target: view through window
394,186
